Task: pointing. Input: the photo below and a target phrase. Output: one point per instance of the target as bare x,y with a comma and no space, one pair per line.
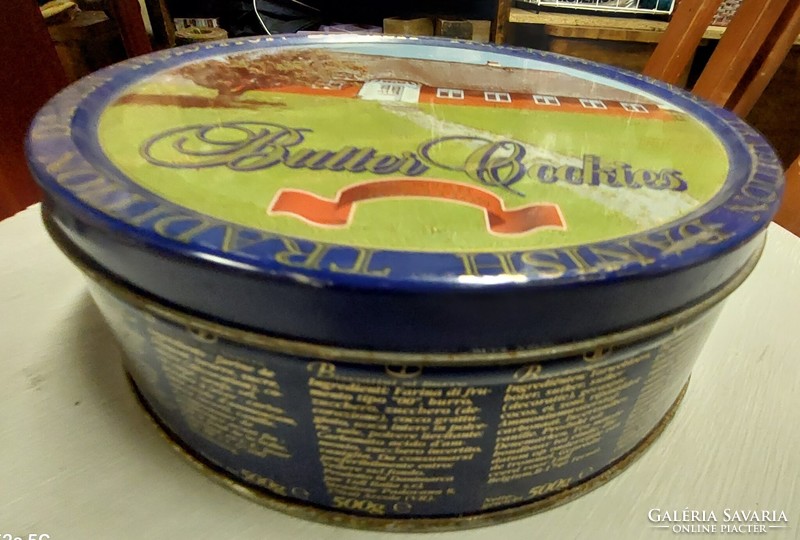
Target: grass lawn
414,224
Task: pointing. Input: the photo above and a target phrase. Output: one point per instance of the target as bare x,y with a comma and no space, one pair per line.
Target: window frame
541,99
447,93
634,107
589,103
497,97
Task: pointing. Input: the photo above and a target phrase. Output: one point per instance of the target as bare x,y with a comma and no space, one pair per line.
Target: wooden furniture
749,53
128,15
620,41
626,47
161,23
28,80
523,16
501,20
86,43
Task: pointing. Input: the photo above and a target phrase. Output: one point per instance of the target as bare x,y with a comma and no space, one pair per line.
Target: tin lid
403,193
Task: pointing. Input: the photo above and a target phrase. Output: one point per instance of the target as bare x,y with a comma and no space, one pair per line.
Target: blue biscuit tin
397,282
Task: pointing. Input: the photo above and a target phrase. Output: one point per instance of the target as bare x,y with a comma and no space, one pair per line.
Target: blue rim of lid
64,153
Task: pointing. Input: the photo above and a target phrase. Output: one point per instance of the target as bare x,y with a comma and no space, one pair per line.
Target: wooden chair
28,80
752,49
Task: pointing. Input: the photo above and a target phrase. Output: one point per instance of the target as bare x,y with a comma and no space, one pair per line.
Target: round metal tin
402,283
403,194
368,439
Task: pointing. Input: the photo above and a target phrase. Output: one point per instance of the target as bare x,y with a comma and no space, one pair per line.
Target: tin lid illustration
403,193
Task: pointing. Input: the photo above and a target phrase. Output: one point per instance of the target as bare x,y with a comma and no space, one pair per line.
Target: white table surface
78,459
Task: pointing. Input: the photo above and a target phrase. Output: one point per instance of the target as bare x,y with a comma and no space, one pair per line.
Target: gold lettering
223,399
337,161
96,192
196,226
235,239
322,369
411,165
596,355
528,372
393,443
551,422
82,180
356,161
545,263
475,264
264,482
669,370
576,257
124,203
383,164
572,175
293,255
49,127
704,233
299,159
554,486
361,265
60,162
153,212
618,256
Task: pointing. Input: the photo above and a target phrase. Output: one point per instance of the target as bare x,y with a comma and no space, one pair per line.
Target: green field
414,224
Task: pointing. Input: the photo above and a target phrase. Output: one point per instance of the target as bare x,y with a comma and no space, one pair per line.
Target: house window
497,97
593,104
634,107
449,93
391,89
546,100
387,90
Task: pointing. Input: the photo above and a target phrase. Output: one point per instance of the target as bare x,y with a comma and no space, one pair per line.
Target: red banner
338,212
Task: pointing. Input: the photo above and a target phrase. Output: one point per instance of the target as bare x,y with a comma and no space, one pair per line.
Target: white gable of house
388,90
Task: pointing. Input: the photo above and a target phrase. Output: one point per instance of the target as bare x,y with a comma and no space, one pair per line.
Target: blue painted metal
426,303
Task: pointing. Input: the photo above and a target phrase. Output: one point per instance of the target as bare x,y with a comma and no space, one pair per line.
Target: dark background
281,16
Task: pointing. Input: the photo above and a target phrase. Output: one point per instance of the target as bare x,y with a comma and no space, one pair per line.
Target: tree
233,76
240,73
